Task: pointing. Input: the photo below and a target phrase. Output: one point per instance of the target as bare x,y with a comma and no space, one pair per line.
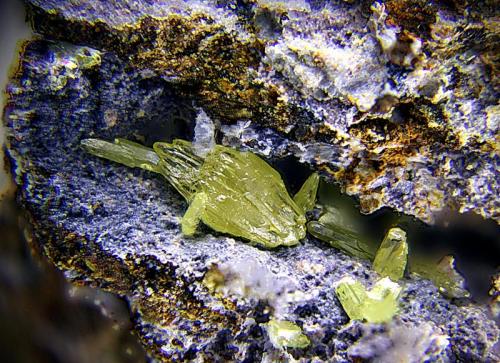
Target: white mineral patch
289,5
319,150
248,277
204,134
352,74
387,37
401,343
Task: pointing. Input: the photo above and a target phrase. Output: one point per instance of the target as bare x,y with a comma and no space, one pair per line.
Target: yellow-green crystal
247,198
284,333
341,238
180,166
382,302
377,305
332,229
338,228
192,217
124,152
443,274
352,295
390,259
306,196
232,192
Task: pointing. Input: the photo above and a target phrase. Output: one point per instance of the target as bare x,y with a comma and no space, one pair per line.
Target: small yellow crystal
443,274
306,196
390,259
377,305
284,333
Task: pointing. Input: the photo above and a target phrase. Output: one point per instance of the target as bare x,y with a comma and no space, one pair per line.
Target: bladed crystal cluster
232,192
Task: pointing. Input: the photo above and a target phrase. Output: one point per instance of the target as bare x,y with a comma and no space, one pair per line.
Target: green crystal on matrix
246,197
352,295
124,152
341,238
286,334
443,274
337,225
191,218
390,259
230,191
378,305
392,254
306,196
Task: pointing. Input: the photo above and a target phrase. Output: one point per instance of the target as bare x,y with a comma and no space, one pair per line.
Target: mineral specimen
409,110
286,334
415,132
306,196
442,273
232,192
377,305
390,259
342,238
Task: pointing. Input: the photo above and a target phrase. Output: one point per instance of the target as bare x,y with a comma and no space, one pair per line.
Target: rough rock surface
118,228
395,100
